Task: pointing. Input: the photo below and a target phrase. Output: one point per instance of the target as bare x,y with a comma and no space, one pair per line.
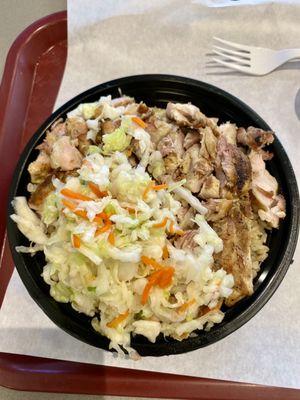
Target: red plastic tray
31,79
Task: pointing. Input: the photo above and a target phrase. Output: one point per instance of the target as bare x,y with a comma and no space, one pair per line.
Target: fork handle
289,54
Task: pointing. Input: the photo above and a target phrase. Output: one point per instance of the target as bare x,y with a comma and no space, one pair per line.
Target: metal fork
249,59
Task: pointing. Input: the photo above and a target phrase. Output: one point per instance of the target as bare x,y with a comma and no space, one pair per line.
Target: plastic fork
249,59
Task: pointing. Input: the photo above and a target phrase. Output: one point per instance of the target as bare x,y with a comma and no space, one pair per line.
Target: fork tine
242,47
233,58
232,52
232,65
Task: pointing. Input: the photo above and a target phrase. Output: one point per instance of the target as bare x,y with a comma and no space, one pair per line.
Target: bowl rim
36,292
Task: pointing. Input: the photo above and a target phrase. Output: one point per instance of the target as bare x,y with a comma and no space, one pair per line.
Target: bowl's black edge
247,314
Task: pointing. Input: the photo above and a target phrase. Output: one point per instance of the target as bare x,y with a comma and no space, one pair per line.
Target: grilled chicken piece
38,196
210,188
64,155
185,114
208,143
58,129
192,137
187,241
172,143
217,209
235,258
122,101
254,138
195,168
271,206
109,126
233,168
185,216
40,168
229,131
157,129
76,126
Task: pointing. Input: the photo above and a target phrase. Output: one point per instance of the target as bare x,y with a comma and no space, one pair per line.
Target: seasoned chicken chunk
40,168
254,138
210,188
58,129
235,258
187,241
185,114
64,155
76,126
271,206
233,167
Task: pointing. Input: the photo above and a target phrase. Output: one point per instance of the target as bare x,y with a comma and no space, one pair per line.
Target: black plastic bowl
158,90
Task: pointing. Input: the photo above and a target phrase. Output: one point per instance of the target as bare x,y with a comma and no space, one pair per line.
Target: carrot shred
162,278
165,278
151,262
186,305
76,241
73,195
95,189
72,207
147,190
165,254
146,292
69,204
131,210
171,228
161,224
139,122
116,321
111,238
160,187
103,228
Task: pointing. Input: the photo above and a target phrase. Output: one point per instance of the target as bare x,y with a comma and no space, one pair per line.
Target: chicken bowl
153,215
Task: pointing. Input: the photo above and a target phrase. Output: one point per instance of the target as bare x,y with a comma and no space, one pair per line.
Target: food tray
31,79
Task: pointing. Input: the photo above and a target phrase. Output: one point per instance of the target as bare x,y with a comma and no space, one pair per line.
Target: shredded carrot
76,241
111,238
73,195
165,254
171,228
95,189
152,186
98,219
162,278
116,321
173,231
130,209
103,228
69,204
146,292
161,224
186,305
139,122
160,187
103,215
72,207
147,190
165,278
151,262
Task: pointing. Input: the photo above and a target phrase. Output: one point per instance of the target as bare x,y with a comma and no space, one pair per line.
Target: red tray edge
33,372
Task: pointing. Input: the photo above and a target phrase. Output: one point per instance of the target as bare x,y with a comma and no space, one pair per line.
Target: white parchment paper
108,40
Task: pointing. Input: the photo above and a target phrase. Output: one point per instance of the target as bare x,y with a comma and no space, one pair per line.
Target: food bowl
158,90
